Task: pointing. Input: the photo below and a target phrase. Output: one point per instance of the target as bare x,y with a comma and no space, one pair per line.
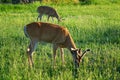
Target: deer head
78,55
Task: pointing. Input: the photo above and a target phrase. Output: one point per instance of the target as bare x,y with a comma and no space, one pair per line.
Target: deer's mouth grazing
78,55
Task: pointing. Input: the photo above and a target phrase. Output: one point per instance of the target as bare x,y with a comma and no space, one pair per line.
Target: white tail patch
28,49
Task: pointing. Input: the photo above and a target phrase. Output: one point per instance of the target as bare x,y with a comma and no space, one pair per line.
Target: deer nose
88,50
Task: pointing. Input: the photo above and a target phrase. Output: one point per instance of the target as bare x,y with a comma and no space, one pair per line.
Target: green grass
92,26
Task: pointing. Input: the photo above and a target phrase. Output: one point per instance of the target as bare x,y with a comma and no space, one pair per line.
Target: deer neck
70,43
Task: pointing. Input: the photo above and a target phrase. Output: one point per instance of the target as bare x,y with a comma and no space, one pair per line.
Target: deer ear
72,49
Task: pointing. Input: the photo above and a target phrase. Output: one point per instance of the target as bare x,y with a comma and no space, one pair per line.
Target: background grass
92,26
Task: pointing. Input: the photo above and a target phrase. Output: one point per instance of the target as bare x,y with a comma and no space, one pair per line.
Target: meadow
92,26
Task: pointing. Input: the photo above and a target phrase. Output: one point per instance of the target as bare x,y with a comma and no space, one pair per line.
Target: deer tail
25,31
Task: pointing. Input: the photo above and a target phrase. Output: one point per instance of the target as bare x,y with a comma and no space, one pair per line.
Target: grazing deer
55,34
51,12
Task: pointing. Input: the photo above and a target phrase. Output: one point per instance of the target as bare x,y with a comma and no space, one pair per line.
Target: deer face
76,56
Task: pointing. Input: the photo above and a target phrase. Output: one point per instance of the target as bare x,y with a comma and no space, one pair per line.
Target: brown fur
51,33
51,12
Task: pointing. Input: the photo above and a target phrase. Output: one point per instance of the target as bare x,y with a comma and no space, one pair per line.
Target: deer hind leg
54,54
39,16
62,55
30,52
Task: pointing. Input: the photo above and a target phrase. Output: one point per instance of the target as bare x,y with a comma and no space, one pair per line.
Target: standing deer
55,34
51,12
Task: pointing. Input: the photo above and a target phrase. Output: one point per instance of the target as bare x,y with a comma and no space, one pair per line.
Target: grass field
92,26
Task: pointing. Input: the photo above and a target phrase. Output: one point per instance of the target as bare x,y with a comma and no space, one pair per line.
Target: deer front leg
54,54
52,19
62,55
48,18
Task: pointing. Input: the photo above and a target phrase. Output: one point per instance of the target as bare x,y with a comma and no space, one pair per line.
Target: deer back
47,32
46,10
